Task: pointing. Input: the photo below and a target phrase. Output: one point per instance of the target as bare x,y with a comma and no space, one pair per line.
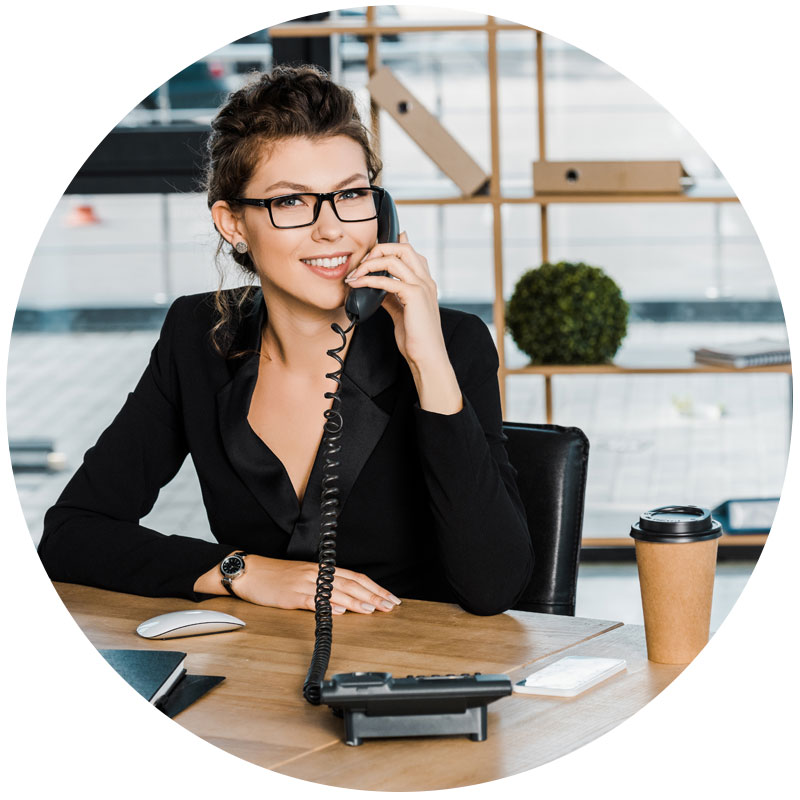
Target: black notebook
160,677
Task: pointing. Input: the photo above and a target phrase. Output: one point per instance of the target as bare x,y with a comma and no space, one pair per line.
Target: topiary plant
567,314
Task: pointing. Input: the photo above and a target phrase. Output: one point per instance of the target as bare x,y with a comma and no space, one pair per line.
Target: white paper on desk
569,676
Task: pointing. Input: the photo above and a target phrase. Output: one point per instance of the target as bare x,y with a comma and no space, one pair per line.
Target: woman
428,502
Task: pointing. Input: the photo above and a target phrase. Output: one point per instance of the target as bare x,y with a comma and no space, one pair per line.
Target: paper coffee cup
676,553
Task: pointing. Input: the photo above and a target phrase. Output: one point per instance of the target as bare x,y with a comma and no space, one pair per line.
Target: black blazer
429,504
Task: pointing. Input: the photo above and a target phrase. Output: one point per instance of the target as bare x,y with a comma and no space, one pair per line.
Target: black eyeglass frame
378,192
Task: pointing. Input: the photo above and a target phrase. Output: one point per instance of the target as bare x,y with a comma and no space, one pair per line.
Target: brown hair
271,106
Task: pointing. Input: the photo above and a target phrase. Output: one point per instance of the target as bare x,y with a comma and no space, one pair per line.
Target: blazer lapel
255,464
370,369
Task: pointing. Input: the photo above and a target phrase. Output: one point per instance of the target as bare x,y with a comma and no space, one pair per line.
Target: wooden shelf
549,370
317,29
445,201
619,197
553,199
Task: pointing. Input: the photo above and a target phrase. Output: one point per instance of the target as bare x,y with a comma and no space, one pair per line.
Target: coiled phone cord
323,634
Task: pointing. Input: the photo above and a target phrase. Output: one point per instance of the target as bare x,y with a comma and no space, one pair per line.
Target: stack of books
754,353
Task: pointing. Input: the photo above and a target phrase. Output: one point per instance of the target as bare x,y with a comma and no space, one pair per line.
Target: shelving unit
371,30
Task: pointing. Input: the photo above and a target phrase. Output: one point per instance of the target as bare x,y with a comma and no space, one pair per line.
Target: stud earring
241,247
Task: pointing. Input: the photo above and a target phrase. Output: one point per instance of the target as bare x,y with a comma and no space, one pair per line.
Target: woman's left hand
411,299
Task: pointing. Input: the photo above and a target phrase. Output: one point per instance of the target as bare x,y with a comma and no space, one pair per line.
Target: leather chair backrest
551,463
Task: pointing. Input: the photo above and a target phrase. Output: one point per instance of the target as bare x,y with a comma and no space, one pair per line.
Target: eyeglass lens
351,205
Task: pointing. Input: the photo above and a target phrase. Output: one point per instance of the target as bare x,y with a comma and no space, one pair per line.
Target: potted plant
567,314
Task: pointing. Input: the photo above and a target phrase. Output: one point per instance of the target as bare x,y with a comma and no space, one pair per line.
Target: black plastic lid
676,524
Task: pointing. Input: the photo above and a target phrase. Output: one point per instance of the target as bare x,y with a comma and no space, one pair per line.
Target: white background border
728,72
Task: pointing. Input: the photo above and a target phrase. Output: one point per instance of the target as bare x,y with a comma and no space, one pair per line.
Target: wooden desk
258,713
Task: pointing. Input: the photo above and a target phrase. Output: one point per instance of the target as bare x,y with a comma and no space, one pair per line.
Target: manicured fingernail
338,609
368,607
394,599
387,605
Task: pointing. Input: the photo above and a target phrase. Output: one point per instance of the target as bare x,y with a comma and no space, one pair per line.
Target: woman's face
287,258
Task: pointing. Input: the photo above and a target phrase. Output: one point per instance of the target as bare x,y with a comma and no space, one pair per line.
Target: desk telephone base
376,705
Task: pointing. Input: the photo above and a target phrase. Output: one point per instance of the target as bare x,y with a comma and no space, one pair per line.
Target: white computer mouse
191,622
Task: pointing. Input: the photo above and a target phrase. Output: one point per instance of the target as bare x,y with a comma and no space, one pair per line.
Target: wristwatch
231,568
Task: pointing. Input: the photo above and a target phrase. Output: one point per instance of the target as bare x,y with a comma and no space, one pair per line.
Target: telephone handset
364,301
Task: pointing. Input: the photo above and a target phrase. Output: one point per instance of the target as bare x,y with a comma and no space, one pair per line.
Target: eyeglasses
299,210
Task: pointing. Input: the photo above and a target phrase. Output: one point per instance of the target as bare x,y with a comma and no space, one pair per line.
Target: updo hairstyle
287,102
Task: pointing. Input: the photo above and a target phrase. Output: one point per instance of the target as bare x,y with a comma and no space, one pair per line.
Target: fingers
356,597
351,596
355,592
396,267
399,250
309,603
358,593
405,292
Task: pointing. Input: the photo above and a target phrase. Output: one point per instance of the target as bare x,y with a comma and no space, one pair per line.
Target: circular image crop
366,525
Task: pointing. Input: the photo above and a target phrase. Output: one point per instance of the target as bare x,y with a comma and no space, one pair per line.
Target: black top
429,504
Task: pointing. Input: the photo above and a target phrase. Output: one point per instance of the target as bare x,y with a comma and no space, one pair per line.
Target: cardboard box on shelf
609,177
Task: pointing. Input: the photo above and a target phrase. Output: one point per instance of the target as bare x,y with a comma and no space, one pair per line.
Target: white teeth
328,263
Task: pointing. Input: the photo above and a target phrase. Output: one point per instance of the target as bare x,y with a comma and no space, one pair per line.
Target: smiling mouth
326,263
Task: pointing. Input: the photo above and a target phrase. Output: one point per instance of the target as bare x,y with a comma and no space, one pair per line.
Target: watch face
232,565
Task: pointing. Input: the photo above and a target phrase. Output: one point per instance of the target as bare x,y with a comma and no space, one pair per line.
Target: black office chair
551,463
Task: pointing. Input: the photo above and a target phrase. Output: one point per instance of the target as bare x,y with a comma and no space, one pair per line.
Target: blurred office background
125,241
